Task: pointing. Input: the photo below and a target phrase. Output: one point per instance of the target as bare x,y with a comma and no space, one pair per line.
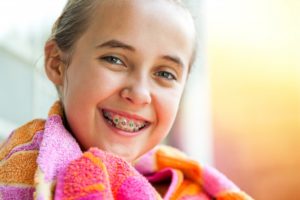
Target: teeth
131,124
116,119
106,114
124,123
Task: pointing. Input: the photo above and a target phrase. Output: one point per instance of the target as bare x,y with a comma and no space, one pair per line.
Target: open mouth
124,123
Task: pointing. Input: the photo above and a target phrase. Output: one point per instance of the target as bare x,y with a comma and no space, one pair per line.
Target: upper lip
127,115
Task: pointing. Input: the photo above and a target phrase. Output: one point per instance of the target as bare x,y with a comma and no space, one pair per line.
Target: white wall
192,130
25,93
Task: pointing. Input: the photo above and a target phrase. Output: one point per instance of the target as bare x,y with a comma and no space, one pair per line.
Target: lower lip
120,132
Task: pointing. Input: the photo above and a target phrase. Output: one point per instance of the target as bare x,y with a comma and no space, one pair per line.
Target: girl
120,68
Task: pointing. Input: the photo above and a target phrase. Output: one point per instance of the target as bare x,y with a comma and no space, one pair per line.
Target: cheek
91,84
167,107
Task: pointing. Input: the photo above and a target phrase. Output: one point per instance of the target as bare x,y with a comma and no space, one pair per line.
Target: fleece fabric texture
42,160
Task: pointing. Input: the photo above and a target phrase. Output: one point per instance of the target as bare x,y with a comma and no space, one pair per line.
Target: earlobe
54,65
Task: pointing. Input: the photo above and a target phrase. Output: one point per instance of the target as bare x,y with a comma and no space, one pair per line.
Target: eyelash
166,75
113,60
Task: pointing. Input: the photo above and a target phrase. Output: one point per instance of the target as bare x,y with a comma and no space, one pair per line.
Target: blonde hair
71,24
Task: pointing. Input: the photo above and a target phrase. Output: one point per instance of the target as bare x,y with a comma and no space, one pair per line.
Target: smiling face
122,88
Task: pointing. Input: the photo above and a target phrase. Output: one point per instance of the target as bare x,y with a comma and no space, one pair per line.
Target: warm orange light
254,57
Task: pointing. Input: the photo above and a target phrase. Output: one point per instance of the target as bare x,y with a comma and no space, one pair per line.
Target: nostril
136,95
128,99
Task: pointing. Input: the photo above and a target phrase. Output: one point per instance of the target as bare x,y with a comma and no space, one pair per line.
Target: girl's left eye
166,75
113,60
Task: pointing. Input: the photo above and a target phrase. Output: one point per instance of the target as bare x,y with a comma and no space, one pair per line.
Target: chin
125,153
127,158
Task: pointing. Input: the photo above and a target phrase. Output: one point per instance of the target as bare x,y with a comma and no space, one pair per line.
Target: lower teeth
125,127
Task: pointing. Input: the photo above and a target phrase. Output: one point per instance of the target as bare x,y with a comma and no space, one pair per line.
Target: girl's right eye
113,60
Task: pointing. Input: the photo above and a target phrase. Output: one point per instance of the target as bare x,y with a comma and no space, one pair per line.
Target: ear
54,65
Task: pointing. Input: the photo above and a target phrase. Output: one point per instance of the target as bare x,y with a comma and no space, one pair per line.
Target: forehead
136,21
159,10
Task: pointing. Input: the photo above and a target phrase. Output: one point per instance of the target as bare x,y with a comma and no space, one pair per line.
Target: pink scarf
41,160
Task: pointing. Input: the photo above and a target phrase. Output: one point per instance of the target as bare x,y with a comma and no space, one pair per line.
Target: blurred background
241,108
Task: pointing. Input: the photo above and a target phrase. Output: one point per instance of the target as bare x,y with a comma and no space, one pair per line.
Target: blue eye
165,75
113,60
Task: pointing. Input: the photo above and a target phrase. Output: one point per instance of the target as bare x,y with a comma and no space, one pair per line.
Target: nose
136,92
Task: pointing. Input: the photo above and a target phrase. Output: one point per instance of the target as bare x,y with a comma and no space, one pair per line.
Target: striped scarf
42,160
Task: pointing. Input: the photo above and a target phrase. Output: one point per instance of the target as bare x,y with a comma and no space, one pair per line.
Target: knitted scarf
41,160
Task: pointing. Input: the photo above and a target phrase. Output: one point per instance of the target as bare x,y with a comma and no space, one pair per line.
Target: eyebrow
118,44
174,59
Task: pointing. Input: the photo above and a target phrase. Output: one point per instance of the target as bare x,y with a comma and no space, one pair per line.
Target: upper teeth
124,123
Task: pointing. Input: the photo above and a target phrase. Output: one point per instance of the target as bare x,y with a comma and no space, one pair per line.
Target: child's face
129,66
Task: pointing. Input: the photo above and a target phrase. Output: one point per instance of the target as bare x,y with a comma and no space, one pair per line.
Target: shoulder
21,136
18,156
164,156
194,176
